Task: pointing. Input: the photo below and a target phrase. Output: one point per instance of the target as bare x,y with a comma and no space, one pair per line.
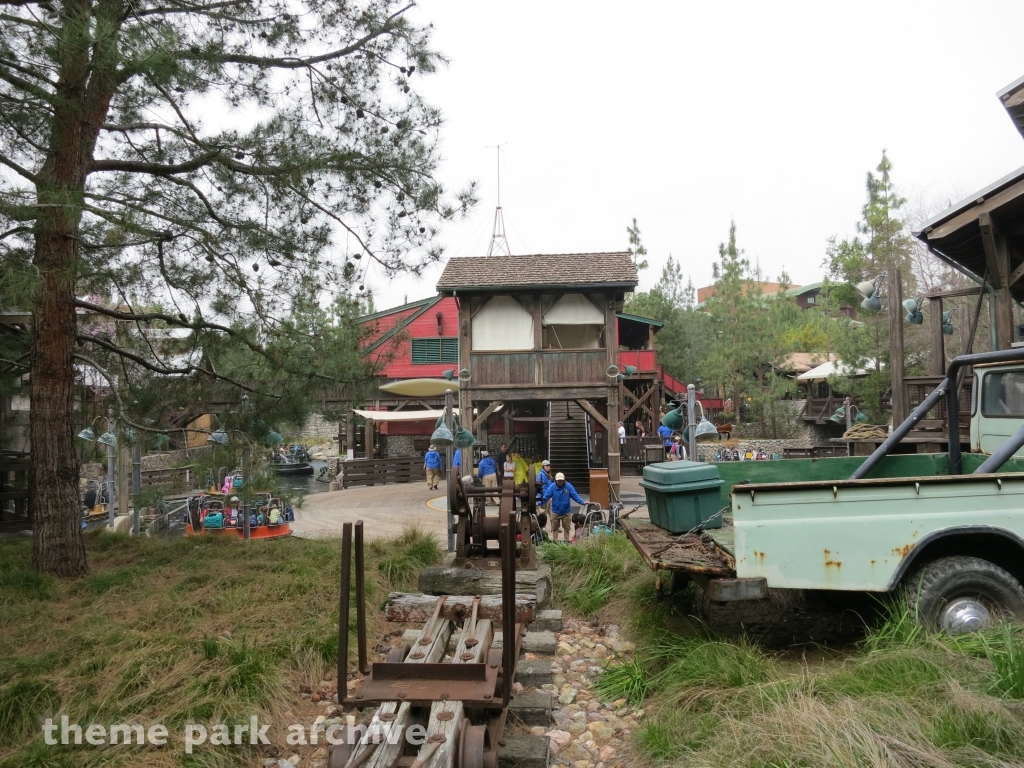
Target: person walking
543,481
487,471
559,493
499,457
432,466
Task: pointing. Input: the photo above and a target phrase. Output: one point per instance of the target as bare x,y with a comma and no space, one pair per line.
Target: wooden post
938,365
350,436
611,342
900,408
465,358
997,260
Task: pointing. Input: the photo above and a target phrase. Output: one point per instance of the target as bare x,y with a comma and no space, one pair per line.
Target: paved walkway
386,509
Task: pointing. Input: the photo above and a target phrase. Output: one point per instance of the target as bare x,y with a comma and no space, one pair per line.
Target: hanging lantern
442,437
464,438
705,429
220,437
673,419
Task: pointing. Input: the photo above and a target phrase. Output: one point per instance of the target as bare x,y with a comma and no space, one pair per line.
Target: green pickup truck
946,528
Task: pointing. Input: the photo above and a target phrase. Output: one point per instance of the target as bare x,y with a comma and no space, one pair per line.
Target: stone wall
401,445
797,433
317,429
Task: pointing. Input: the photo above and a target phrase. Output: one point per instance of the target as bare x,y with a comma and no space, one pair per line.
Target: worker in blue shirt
666,435
457,463
487,471
432,465
559,493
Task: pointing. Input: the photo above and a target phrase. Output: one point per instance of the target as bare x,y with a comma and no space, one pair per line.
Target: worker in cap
487,471
432,466
559,493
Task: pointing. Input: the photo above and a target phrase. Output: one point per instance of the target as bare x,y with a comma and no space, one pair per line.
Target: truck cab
997,406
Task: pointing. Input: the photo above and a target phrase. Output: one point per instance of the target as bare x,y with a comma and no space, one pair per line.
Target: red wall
394,357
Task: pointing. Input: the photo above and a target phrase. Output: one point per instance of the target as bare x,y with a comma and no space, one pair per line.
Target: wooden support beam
594,413
640,404
1016,274
411,608
480,420
938,364
988,239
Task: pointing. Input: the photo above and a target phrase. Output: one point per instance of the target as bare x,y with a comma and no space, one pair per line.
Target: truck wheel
963,594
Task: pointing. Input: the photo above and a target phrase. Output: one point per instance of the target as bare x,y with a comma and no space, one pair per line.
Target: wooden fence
381,471
173,480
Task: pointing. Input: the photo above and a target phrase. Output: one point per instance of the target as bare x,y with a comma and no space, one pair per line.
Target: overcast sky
688,115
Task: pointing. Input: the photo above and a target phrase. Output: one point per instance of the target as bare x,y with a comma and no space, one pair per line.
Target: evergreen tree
209,158
637,251
882,245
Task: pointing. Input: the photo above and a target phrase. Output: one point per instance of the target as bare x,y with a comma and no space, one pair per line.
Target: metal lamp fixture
673,419
465,375
839,415
463,437
107,438
947,325
87,434
629,370
219,437
449,374
612,371
914,314
869,290
442,437
274,438
705,429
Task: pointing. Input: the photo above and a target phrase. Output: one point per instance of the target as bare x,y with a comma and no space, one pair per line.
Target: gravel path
588,733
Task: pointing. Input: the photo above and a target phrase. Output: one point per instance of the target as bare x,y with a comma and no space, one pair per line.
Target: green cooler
682,495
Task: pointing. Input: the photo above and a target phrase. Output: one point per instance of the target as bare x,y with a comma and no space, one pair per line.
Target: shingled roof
562,270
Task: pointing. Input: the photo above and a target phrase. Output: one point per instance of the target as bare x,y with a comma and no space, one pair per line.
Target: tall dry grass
190,630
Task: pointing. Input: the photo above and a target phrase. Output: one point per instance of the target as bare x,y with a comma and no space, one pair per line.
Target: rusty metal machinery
460,698
475,529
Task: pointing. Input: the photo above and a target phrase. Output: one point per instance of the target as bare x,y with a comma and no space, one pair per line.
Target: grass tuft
629,680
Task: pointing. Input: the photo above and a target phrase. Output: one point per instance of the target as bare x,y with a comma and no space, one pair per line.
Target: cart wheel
397,655
471,752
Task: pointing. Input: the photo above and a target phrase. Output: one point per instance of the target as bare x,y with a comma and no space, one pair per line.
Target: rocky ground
588,733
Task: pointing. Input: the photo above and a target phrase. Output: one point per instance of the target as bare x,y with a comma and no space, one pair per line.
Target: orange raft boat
197,514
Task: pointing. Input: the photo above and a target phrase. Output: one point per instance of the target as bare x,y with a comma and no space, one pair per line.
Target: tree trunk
57,544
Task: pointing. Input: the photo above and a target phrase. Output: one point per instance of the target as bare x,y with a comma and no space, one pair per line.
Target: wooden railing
635,448
14,493
381,471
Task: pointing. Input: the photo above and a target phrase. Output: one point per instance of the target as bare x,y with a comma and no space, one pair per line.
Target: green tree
209,157
882,245
637,251
682,341
732,308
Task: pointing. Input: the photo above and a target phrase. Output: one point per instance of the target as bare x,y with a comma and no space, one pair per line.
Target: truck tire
963,594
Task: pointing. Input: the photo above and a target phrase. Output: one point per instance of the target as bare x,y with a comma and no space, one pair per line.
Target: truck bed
709,553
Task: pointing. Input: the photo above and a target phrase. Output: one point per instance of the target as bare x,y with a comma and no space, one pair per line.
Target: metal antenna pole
499,243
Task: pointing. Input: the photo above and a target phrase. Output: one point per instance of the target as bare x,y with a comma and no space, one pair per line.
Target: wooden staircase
567,443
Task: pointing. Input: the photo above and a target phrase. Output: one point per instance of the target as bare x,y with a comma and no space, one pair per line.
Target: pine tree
208,158
883,245
637,251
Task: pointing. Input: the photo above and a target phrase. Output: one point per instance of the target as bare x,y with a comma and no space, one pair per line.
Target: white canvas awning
574,309
401,415
834,368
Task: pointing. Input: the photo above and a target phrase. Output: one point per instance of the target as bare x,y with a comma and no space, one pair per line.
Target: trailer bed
708,553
